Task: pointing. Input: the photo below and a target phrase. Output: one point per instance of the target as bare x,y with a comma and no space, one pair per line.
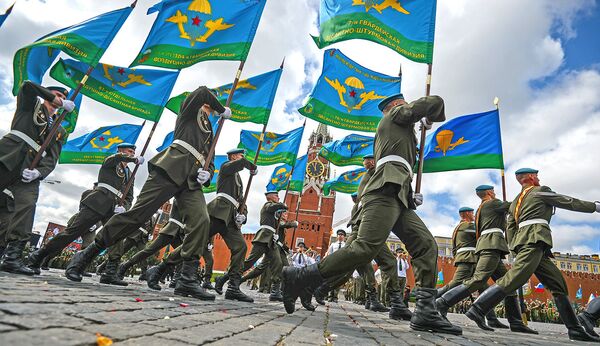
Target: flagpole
299,194
423,133
211,152
260,142
137,165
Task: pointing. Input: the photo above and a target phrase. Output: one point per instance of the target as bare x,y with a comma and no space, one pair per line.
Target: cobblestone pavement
51,310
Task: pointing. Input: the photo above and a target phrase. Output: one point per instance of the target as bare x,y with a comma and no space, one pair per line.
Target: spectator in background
402,265
301,259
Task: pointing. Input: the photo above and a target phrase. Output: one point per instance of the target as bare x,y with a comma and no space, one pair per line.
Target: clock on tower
315,169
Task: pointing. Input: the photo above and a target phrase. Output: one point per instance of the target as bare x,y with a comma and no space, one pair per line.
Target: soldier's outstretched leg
589,318
513,315
115,252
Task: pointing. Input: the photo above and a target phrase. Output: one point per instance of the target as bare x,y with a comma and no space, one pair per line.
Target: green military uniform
172,173
463,250
136,241
7,207
209,261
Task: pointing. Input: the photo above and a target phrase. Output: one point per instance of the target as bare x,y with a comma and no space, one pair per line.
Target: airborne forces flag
346,183
276,148
281,176
348,150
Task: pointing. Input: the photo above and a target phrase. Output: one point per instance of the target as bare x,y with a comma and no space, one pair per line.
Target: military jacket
31,118
193,127
396,136
355,215
463,237
114,174
229,182
491,214
538,202
268,218
7,202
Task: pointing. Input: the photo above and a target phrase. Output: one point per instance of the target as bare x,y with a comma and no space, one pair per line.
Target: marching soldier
530,237
97,206
490,225
177,171
388,204
7,207
33,119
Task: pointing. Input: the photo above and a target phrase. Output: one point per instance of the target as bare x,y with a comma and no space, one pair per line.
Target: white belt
493,230
27,140
395,158
532,222
191,149
268,227
143,230
111,189
465,249
8,193
177,222
229,198
468,231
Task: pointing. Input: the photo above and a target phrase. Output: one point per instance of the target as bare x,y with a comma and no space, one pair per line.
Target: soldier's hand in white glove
240,219
426,124
203,176
295,224
30,175
68,105
119,209
597,207
418,198
254,171
226,114
140,160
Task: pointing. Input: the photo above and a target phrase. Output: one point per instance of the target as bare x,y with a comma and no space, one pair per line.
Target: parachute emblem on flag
121,77
444,140
380,6
354,177
269,145
243,84
349,94
282,176
104,142
197,25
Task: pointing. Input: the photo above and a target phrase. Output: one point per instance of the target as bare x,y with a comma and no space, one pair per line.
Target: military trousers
154,246
80,225
489,265
464,271
117,251
207,256
157,190
533,259
9,178
271,255
381,213
5,217
235,242
21,224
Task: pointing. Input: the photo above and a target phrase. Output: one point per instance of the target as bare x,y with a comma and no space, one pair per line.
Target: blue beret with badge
465,209
236,151
484,188
526,171
368,157
126,146
389,99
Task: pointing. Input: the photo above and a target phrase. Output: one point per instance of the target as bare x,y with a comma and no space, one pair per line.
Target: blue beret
271,191
464,209
354,194
126,146
236,151
526,171
341,231
368,156
59,89
484,188
389,99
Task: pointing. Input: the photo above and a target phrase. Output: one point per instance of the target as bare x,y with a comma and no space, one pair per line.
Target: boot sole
185,294
73,277
108,282
427,329
241,300
481,325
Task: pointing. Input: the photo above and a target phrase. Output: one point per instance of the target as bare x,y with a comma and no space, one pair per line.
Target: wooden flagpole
287,189
423,133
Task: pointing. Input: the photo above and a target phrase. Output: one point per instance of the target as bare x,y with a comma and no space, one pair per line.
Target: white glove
119,209
597,207
68,105
209,247
240,219
30,175
203,176
425,124
254,171
295,224
226,114
140,160
418,198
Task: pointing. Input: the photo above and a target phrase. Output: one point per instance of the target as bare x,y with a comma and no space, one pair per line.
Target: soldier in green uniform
33,119
177,171
207,272
226,220
530,238
98,206
7,207
388,205
490,225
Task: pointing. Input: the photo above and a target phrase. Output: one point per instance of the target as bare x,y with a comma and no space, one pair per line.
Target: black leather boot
321,292
398,311
427,318
176,277
306,301
450,298
101,267
567,315
233,290
484,303
123,268
513,315
36,258
492,320
275,295
206,284
367,303
46,263
80,261
297,282
220,282
154,274
442,290
590,316
110,277
375,304
11,260
188,284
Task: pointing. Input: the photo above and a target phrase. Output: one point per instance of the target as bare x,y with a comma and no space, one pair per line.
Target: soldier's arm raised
114,159
564,202
430,107
198,98
29,91
273,207
232,167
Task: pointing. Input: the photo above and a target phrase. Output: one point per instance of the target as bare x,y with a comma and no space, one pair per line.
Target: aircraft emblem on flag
196,24
380,6
352,94
122,77
104,142
269,145
444,140
243,84
354,177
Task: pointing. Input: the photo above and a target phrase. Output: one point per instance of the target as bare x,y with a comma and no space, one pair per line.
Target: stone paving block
6,328
123,331
151,341
42,321
114,316
53,336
